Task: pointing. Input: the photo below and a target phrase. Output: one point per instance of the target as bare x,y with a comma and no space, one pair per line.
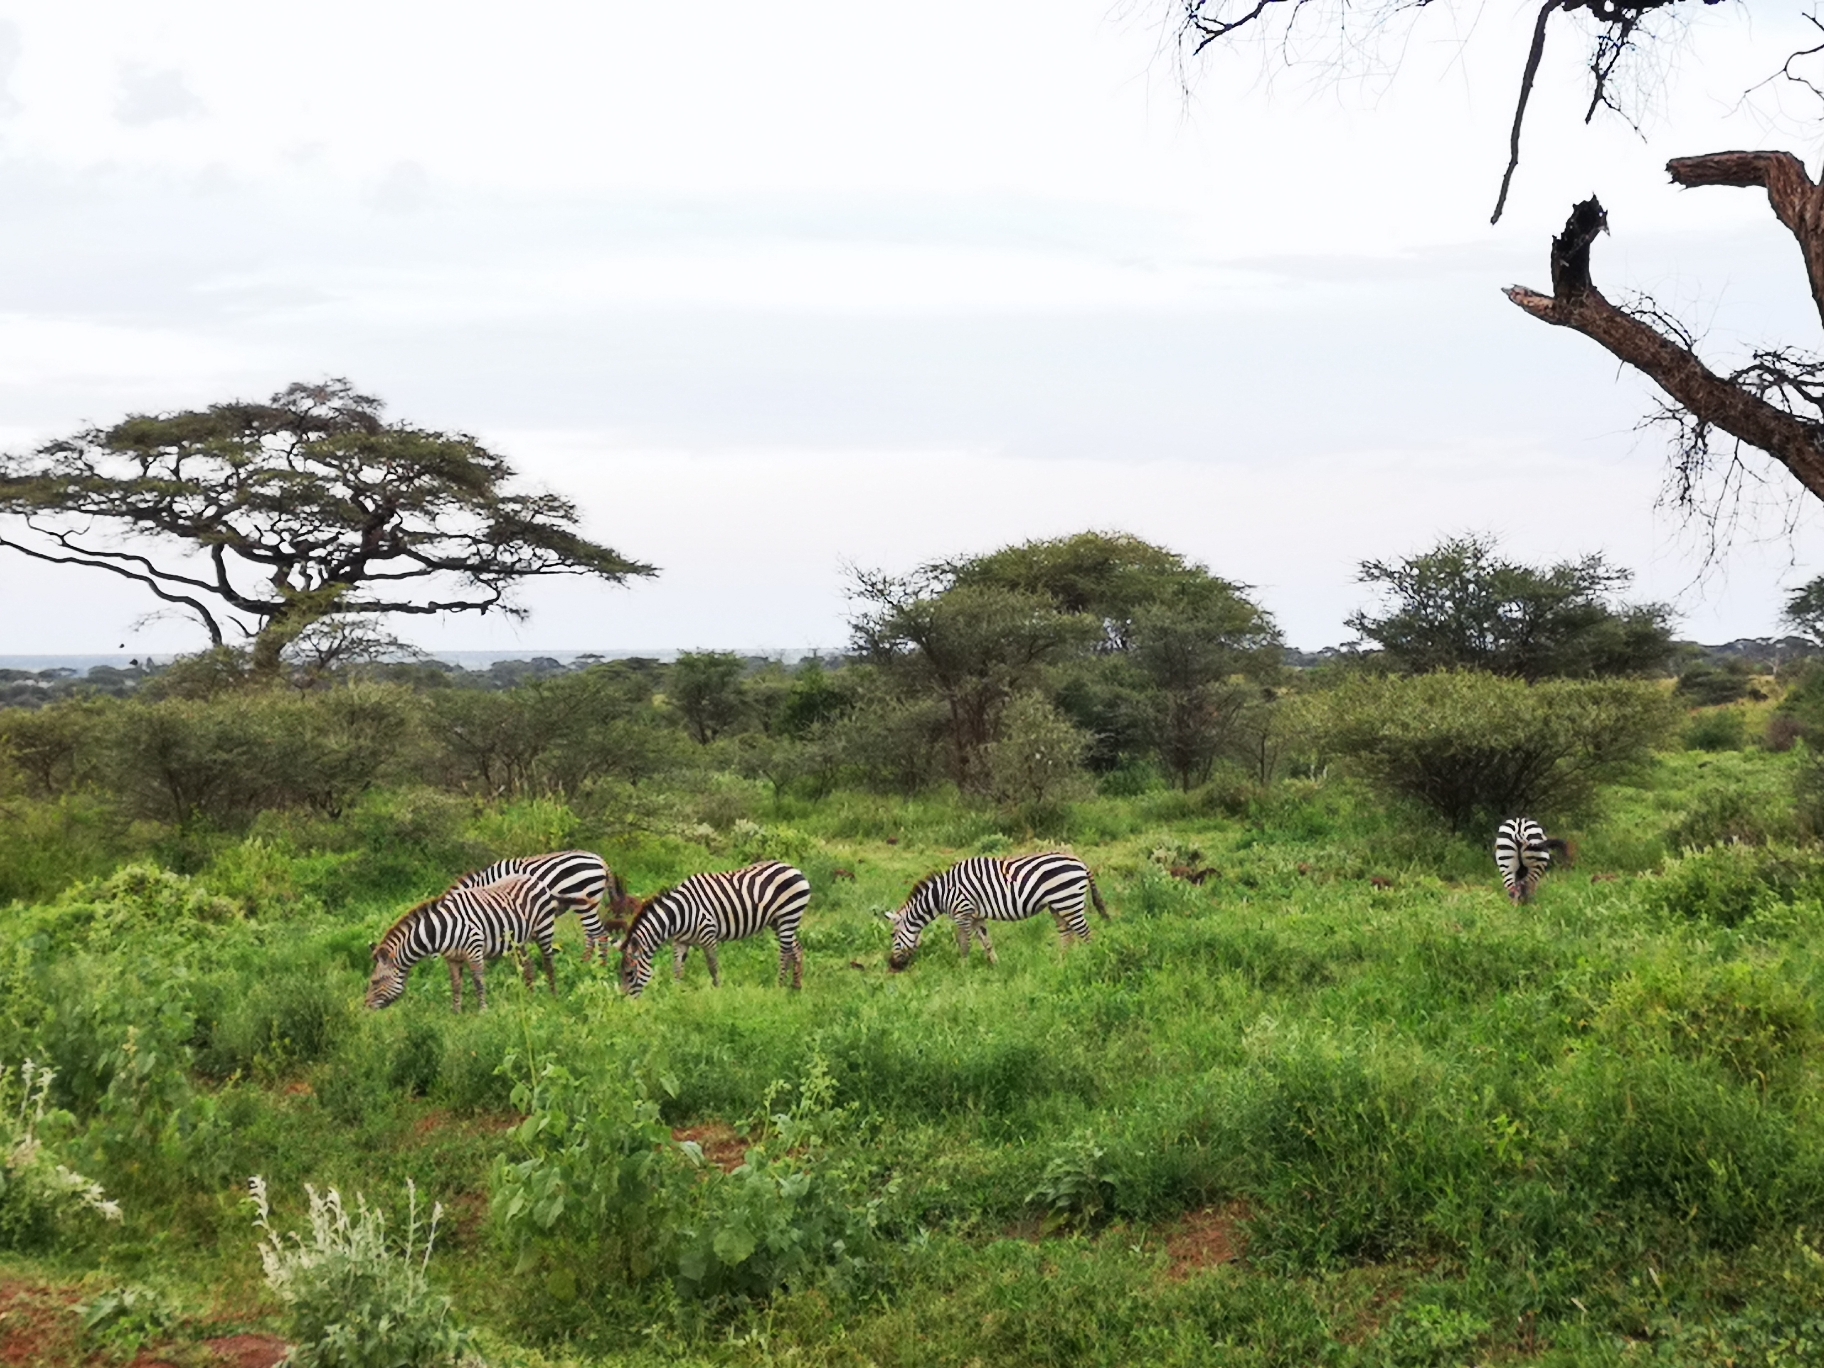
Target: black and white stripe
977,891
468,927
707,909
578,879
1522,854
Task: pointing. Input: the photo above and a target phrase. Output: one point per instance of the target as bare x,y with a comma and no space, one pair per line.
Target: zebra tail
1095,896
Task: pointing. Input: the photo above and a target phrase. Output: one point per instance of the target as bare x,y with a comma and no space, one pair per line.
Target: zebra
1523,853
707,909
578,879
977,891
468,927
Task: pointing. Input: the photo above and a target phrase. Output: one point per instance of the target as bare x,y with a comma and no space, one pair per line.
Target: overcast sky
774,289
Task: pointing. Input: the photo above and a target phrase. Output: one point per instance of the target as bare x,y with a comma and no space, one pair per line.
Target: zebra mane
641,917
389,943
924,883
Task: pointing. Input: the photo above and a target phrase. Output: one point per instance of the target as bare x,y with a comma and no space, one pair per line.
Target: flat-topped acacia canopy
274,516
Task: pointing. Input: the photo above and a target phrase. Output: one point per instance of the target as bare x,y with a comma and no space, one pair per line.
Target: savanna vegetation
1318,1093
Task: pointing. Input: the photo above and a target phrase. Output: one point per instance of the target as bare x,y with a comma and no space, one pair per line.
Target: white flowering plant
354,1297
40,1198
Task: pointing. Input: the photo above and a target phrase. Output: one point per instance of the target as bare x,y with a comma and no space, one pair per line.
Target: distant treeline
1029,678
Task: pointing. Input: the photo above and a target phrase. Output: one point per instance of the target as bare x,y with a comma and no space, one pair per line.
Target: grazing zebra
1523,854
977,891
468,927
707,909
578,879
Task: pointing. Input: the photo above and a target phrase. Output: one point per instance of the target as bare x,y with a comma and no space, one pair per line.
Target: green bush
283,1022
782,1220
1730,816
1475,748
353,1298
1729,884
593,1190
1717,729
1747,1017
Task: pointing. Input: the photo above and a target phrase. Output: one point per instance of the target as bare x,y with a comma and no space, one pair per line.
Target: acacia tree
273,517
1462,606
1774,402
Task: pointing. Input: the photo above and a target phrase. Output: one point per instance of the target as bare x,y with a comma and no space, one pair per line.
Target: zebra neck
657,926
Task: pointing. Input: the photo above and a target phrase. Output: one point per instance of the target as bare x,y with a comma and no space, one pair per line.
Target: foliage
1707,685
1074,1191
781,1221
1038,759
1804,610
126,1318
1460,606
1475,748
354,1298
704,687
1136,644
39,1196
594,1193
307,507
1717,729
1731,883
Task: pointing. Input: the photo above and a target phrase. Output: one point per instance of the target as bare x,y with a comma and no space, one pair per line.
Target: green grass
1440,1129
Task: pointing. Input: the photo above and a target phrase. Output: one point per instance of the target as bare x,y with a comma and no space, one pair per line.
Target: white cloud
149,97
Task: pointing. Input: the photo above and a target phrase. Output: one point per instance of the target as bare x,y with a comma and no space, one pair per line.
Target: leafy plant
782,1220
354,1298
1074,1190
125,1319
594,1191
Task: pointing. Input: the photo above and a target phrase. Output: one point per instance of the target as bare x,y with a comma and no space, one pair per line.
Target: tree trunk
1713,400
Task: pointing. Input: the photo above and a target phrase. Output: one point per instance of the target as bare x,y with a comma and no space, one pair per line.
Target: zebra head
387,985
644,936
910,921
636,968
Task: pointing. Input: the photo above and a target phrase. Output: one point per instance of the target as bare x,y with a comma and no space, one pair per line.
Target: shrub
354,1298
593,1192
1729,884
1038,760
1728,817
1708,685
1475,748
781,1221
1074,1191
1746,1017
38,1195
1717,729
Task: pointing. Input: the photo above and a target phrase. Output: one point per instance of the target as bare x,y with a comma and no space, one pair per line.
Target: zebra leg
455,968
544,955
791,957
715,970
981,934
478,967
679,953
965,935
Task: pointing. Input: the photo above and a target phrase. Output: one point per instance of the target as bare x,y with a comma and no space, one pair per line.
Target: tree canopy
273,517
1462,606
1141,646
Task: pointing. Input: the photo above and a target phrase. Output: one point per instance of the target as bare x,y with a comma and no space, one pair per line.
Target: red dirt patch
719,1143
249,1351
36,1326
1205,1239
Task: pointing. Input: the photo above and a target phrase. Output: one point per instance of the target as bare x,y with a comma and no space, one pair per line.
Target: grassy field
1337,1103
